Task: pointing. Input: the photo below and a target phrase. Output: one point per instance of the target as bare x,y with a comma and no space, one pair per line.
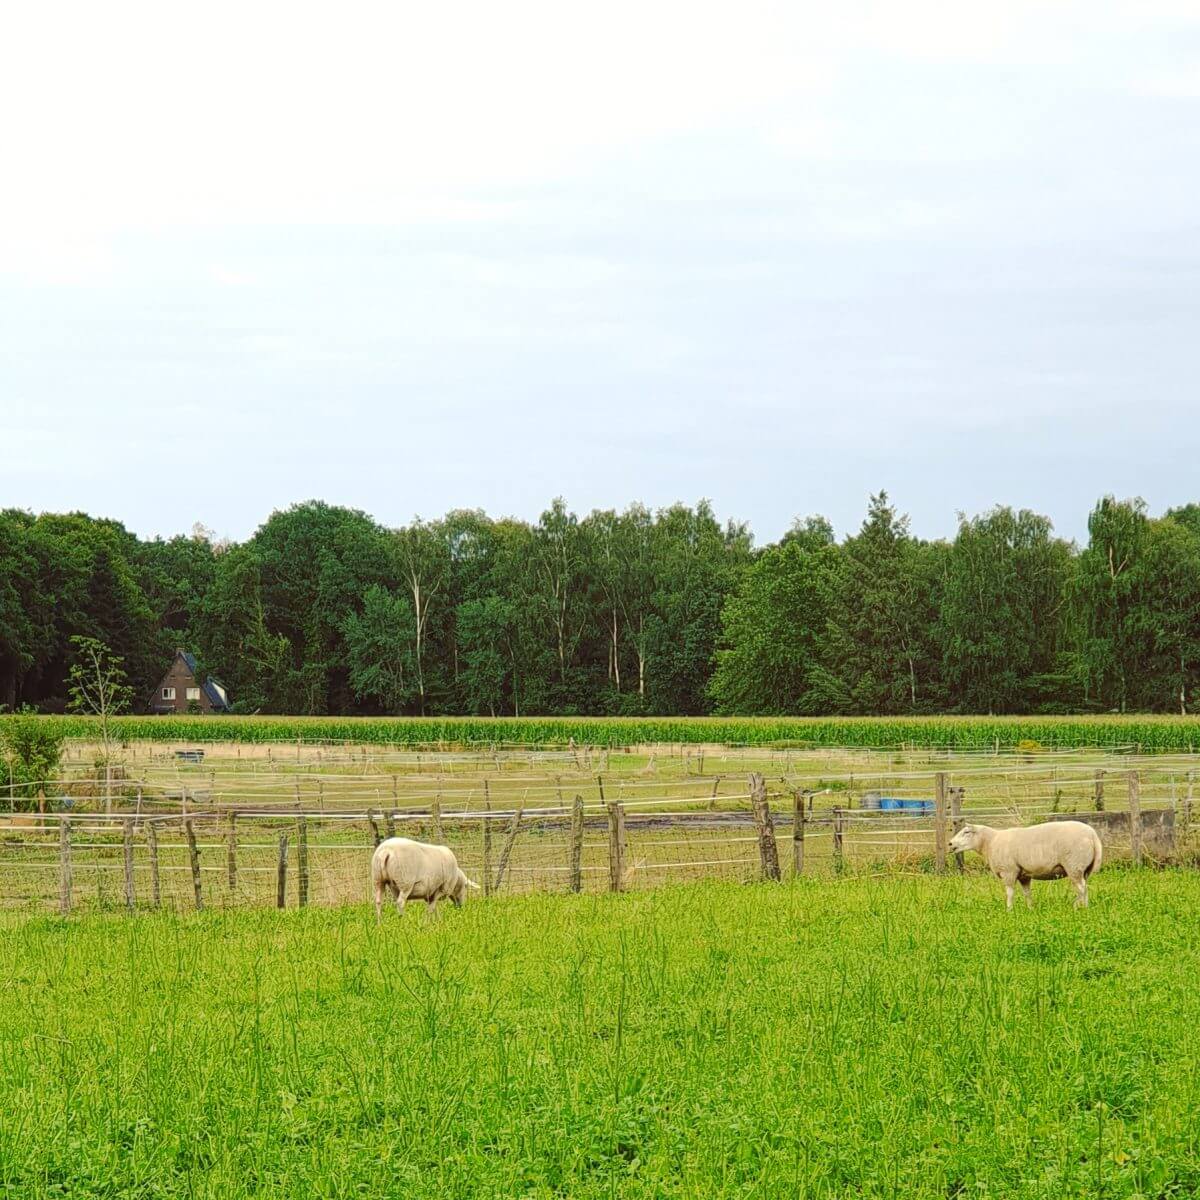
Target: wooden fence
199,857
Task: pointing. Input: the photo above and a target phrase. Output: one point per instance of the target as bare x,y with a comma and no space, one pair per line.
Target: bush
32,749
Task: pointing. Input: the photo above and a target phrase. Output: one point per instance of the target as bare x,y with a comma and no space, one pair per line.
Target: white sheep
1047,851
416,871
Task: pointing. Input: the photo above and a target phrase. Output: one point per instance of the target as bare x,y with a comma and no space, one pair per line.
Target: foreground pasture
893,1037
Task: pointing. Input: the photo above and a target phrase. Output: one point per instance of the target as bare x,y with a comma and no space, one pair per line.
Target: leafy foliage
324,612
30,752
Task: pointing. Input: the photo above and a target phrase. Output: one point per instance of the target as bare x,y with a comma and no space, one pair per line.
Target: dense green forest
324,611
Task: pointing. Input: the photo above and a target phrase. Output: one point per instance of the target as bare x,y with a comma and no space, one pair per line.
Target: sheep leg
1080,882
380,888
1027,888
1008,892
400,899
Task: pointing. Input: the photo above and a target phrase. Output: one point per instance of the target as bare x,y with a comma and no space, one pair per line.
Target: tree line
325,611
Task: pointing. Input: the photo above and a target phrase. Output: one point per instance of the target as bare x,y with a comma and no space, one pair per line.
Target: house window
193,693
168,693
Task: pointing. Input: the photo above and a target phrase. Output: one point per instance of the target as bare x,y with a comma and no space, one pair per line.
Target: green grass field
902,1037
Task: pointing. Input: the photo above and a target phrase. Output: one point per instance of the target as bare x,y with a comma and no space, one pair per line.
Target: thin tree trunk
616,651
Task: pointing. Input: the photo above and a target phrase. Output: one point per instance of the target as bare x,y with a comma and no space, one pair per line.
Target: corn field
1152,734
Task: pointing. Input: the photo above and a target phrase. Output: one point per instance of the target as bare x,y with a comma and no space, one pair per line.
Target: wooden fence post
375,839
577,844
956,796
1187,801
152,845
768,852
127,848
231,851
939,822
838,849
194,859
302,860
712,800
1135,818
487,842
600,785
1098,791
513,830
389,822
798,817
616,846
64,867
437,816
281,873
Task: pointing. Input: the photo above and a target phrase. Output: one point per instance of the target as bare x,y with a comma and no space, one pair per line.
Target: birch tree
425,564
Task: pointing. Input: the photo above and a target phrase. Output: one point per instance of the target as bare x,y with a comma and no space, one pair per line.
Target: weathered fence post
194,859
768,852
1098,791
1187,801
1135,818
389,822
231,851
956,796
64,867
616,846
506,850
152,846
939,822
838,850
437,816
799,803
375,838
127,848
577,844
302,860
600,785
487,842
281,873
712,800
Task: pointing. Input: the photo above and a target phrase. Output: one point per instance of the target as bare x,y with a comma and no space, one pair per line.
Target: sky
414,257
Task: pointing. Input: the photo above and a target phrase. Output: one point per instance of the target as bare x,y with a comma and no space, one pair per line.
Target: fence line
200,847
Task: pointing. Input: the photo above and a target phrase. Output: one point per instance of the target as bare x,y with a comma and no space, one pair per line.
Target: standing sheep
416,871
1047,851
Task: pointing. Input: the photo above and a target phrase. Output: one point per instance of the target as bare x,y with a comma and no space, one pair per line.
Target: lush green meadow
1151,733
894,1037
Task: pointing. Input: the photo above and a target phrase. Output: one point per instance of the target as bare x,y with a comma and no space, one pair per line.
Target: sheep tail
1098,858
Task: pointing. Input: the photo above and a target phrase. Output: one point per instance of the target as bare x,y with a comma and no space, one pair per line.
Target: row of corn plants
1147,733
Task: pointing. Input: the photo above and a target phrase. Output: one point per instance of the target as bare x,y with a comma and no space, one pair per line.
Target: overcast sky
411,257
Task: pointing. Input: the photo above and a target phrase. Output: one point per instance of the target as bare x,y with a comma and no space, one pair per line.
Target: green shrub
31,746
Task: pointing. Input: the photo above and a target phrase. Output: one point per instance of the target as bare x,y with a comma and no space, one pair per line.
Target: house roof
214,689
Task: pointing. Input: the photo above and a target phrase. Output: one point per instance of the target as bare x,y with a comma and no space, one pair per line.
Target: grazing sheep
1047,851
416,871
